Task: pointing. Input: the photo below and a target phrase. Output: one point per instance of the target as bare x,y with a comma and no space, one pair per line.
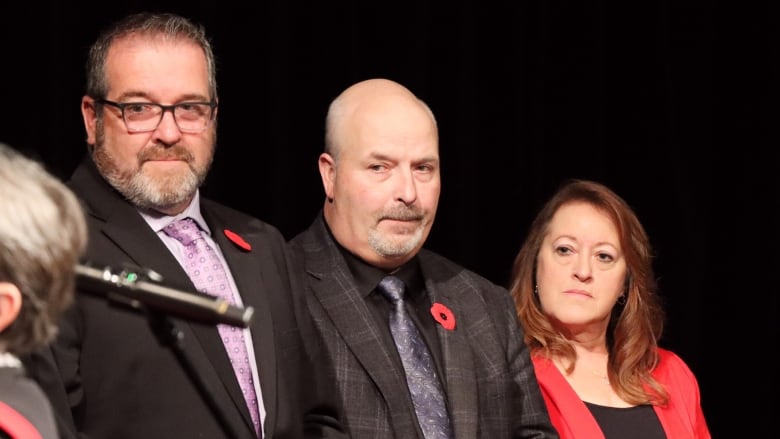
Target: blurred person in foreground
43,234
150,113
586,296
381,177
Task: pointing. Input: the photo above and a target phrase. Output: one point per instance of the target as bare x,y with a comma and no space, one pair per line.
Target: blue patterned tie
421,377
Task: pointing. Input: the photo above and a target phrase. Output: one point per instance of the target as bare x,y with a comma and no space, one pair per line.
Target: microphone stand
170,335
131,286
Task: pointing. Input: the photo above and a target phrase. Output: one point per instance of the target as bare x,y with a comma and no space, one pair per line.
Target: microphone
187,304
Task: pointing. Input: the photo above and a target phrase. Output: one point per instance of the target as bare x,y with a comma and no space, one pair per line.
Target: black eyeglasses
139,117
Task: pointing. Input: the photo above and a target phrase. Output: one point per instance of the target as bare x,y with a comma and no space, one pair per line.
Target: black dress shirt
416,299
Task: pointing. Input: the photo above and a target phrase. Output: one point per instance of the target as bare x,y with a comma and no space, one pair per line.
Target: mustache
175,152
410,213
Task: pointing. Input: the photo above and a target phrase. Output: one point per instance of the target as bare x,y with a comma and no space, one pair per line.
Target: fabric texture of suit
682,418
488,375
123,383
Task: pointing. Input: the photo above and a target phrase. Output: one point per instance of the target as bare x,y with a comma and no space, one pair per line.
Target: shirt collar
157,221
367,276
9,360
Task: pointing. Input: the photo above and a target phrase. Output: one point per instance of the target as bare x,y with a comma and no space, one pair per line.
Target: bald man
381,175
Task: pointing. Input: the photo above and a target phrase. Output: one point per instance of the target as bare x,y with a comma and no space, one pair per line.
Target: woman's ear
10,304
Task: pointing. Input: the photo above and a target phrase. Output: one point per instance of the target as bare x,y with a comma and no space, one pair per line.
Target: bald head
372,98
380,171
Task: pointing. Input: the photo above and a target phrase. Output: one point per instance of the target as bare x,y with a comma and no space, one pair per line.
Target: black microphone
129,284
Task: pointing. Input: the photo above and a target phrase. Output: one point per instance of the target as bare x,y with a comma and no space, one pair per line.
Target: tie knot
185,230
392,288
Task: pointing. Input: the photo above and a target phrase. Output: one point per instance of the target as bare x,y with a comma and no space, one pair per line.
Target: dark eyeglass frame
121,106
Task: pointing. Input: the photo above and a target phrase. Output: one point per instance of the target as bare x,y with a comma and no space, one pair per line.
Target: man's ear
327,171
10,304
89,113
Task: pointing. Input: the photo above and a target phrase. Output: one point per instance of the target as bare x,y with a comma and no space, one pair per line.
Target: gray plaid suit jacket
492,391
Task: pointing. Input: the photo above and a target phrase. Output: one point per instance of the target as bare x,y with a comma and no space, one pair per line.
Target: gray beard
388,248
150,193
142,190
392,248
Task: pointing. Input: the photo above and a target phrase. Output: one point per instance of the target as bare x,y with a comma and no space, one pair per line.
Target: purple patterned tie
424,385
207,273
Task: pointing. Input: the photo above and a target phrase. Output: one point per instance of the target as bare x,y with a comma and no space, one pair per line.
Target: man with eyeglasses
150,113
141,117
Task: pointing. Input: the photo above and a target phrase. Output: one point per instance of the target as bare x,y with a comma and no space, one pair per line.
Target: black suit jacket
121,381
492,392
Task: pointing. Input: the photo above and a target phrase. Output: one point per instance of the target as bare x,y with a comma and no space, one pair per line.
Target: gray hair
43,234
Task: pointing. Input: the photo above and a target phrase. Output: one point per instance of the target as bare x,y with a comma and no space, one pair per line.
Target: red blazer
681,418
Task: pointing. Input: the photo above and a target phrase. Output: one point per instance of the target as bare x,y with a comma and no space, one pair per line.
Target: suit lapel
146,250
360,331
459,367
335,290
251,284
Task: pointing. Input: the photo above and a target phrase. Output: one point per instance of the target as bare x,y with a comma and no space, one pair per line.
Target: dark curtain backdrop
668,102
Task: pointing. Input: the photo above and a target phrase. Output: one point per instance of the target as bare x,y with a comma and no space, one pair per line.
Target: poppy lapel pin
237,240
443,316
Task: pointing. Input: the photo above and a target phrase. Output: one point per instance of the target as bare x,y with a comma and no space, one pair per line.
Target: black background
671,103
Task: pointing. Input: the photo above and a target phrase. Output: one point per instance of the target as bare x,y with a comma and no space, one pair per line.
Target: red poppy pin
237,240
443,315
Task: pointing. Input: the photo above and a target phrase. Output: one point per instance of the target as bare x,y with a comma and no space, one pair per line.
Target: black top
638,422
